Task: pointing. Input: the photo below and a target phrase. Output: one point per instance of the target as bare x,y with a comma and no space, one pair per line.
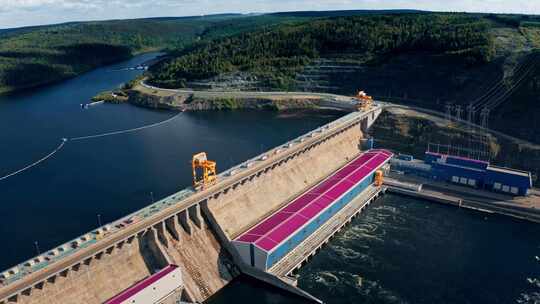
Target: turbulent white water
402,250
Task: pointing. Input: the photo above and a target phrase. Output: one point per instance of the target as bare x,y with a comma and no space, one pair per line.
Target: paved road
463,122
250,93
73,259
337,98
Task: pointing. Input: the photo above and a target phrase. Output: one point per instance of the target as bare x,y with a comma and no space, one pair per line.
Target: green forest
276,54
34,56
272,47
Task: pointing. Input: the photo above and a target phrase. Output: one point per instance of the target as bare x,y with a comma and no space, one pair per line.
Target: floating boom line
125,131
65,140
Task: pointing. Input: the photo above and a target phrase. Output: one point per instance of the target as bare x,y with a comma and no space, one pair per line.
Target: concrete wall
185,239
97,282
237,210
206,265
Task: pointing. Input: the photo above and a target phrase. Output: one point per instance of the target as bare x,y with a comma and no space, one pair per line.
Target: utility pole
448,107
470,119
470,114
37,247
484,114
459,111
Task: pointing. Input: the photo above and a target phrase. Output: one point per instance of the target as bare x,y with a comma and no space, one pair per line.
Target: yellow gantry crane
209,176
364,101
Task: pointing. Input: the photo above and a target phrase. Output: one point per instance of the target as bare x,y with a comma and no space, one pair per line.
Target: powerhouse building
467,172
273,238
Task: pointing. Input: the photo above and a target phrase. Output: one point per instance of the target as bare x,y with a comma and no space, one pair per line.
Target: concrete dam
191,244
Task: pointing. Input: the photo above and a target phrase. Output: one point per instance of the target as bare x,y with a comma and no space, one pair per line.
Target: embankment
205,265
196,101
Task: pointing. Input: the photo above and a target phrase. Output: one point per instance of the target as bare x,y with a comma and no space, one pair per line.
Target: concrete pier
468,198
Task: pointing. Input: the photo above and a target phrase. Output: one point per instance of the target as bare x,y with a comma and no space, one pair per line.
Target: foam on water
346,253
375,290
529,298
373,260
326,278
534,282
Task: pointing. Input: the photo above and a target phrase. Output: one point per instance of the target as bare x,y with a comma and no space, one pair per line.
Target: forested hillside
277,54
38,55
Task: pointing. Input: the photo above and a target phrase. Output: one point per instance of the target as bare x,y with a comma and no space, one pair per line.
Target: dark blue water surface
399,251
403,250
111,176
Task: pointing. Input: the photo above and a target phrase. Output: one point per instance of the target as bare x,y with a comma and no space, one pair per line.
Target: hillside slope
38,55
425,59
276,56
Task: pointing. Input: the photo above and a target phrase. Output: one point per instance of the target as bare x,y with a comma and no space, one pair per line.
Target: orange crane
364,101
209,176
379,178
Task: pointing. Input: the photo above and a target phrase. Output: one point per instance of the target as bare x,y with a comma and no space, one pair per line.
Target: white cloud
15,13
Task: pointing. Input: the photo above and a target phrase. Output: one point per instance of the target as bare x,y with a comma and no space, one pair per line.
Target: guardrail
58,253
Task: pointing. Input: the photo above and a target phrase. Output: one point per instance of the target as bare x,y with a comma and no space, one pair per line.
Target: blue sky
15,13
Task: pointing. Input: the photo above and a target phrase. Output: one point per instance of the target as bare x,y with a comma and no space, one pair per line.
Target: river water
404,250
399,251
111,176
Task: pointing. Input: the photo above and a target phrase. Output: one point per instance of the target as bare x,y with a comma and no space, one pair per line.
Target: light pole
37,247
99,220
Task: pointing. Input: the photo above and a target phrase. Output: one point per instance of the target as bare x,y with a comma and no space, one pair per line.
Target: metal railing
42,261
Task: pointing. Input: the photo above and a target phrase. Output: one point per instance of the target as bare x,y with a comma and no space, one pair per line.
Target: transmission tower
459,111
484,114
448,107
470,114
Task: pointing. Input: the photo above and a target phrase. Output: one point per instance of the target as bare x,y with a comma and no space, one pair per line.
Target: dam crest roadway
156,236
195,229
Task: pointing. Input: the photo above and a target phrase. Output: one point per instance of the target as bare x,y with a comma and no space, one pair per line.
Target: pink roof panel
344,172
323,201
267,225
284,230
300,202
266,243
360,161
248,238
359,175
338,190
311,210
282,224
323,187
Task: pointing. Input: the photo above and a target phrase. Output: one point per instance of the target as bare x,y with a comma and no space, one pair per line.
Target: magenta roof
278,227
133,290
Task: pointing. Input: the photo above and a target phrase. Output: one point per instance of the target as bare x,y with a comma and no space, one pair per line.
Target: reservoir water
112,176
399,251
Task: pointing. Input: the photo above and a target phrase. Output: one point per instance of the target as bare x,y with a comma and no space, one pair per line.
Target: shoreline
7,91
